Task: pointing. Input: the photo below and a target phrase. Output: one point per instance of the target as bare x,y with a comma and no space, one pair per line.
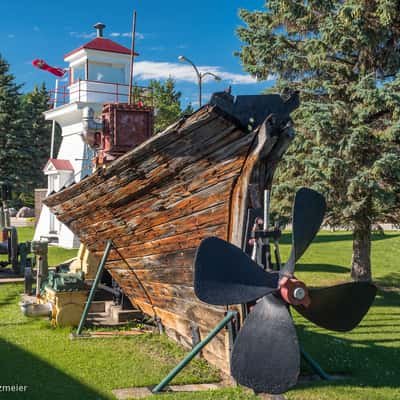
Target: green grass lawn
56,254
33,354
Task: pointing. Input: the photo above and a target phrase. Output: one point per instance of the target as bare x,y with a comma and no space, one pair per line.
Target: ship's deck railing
99,92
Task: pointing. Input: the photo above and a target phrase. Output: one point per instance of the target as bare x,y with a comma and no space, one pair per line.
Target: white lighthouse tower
99,73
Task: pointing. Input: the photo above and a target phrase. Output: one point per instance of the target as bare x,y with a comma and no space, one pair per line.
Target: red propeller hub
294,292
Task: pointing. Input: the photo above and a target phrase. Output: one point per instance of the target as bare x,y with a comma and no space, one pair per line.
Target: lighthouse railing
90,91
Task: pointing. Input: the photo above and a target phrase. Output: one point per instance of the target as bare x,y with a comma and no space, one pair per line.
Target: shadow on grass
358,359
7,300
286,238
390,280
361,355
388,298
321,268
42,380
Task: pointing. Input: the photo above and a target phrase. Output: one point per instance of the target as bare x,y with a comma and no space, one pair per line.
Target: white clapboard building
98,74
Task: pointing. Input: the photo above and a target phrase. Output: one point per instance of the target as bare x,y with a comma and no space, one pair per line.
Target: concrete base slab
142,392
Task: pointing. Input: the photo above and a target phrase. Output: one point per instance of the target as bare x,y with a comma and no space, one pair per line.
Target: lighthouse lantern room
98,74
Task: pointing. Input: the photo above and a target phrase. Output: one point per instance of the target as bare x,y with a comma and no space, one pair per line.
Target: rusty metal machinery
266,353
122,127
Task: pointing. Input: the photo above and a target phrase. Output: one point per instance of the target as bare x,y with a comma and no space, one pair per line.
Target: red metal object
294,292
124,127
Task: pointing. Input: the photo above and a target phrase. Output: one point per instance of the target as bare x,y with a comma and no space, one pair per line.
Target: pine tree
12,158
343,56
166,102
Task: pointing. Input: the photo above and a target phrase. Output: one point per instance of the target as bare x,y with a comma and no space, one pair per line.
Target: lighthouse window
106,73
78,72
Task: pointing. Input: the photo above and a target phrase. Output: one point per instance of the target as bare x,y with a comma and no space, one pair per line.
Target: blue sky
203,31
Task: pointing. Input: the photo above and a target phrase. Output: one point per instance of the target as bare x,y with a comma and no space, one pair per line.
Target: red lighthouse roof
102,44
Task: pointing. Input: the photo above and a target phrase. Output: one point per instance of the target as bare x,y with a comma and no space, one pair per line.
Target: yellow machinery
67,306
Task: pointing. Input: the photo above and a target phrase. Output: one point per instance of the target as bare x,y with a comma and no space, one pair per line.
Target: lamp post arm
216,77
195,68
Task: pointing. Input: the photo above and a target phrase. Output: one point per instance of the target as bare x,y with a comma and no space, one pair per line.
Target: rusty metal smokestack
99,27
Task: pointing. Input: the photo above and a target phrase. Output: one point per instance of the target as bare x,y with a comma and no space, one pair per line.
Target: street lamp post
200,75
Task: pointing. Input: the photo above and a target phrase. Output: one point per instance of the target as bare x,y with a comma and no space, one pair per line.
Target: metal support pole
94,287
200,90
53,128
132,60
315,366
196,349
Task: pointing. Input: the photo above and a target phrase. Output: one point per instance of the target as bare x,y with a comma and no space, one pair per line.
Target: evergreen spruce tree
343,56
37,135
166,102
12,156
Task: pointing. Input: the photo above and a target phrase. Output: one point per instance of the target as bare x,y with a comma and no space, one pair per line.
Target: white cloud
127,34
184,72
84,35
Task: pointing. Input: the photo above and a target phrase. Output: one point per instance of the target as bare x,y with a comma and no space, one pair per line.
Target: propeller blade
265,356
341,307
224,274
308,212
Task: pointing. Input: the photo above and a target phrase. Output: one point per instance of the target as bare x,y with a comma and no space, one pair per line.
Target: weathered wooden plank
161,168
153,202
131,192
179,329
171,275
155,144
165,245
195,311
194,209
177,259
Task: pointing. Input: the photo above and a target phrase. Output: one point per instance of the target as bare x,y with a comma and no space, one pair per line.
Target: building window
78,73
106,72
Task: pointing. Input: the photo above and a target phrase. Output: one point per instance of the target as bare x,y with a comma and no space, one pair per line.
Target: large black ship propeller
265,355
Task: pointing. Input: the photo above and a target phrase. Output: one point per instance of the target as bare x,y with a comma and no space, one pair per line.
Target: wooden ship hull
157,202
